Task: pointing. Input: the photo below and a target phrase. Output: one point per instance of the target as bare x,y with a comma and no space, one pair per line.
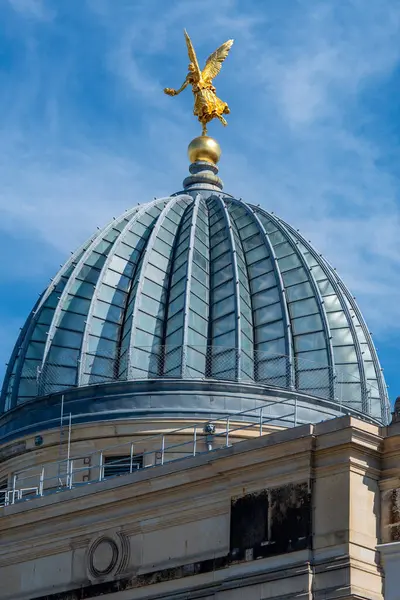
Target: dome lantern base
204,153
204,175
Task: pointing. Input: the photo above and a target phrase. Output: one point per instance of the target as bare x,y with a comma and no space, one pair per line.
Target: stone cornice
349,431
224,462
253,457
233,577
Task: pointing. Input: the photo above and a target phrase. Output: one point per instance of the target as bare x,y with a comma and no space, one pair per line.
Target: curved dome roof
198,286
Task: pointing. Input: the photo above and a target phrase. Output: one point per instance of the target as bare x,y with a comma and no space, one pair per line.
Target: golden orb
204,148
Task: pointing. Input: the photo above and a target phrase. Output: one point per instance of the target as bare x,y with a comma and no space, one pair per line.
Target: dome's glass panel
198,287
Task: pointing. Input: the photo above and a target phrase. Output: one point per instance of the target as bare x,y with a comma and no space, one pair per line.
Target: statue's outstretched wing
192,54
215,60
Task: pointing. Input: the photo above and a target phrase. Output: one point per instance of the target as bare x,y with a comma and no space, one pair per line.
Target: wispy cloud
313,133
31,8
330,60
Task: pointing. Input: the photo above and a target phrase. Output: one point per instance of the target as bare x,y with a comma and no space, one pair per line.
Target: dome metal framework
198,285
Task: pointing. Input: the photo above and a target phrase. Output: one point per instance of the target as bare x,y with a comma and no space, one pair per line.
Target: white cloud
63,203
319,169
31,8
329,53
296,142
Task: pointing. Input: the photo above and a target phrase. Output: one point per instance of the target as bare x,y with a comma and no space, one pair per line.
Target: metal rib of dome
198,287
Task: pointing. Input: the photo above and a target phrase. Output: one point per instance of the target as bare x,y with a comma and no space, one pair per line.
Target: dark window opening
271,522
249,522
120,465
3,488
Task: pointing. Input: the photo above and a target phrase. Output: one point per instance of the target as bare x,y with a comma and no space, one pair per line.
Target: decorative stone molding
390,557
107,555
125,553
390,515
396,412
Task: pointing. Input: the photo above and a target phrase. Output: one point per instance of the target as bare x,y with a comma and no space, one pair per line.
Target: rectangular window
273,369
345,354
265,281
158,260
223,307
269,332
299,291
268,522
248,231
332,303
309,341
289,262
162,247
295,276
325,287
342,337
277,237
220,248
337,320
268,314
265,298
194,338
256,254
249,522
221,262
315,379
303,307
252,242
311,360
271,348
283,249
306,324
120,465
223,291
318,273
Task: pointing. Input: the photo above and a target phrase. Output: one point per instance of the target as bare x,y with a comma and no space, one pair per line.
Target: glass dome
198,286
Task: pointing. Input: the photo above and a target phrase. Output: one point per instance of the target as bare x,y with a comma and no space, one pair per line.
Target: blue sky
86,132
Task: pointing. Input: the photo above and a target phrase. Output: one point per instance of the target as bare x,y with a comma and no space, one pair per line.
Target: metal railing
197,363
198,438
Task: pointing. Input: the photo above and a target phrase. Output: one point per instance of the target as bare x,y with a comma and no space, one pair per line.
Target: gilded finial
204,148
207,105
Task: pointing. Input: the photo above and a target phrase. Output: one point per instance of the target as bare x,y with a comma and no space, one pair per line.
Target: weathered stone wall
269,518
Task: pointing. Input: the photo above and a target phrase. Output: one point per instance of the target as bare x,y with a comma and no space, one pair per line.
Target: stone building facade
291,513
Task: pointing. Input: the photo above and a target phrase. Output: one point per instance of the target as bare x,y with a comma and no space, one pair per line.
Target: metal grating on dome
198,286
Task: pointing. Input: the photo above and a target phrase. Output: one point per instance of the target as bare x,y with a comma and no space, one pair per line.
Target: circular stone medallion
103,556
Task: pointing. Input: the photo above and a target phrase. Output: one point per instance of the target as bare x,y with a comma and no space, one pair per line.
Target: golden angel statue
207,106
